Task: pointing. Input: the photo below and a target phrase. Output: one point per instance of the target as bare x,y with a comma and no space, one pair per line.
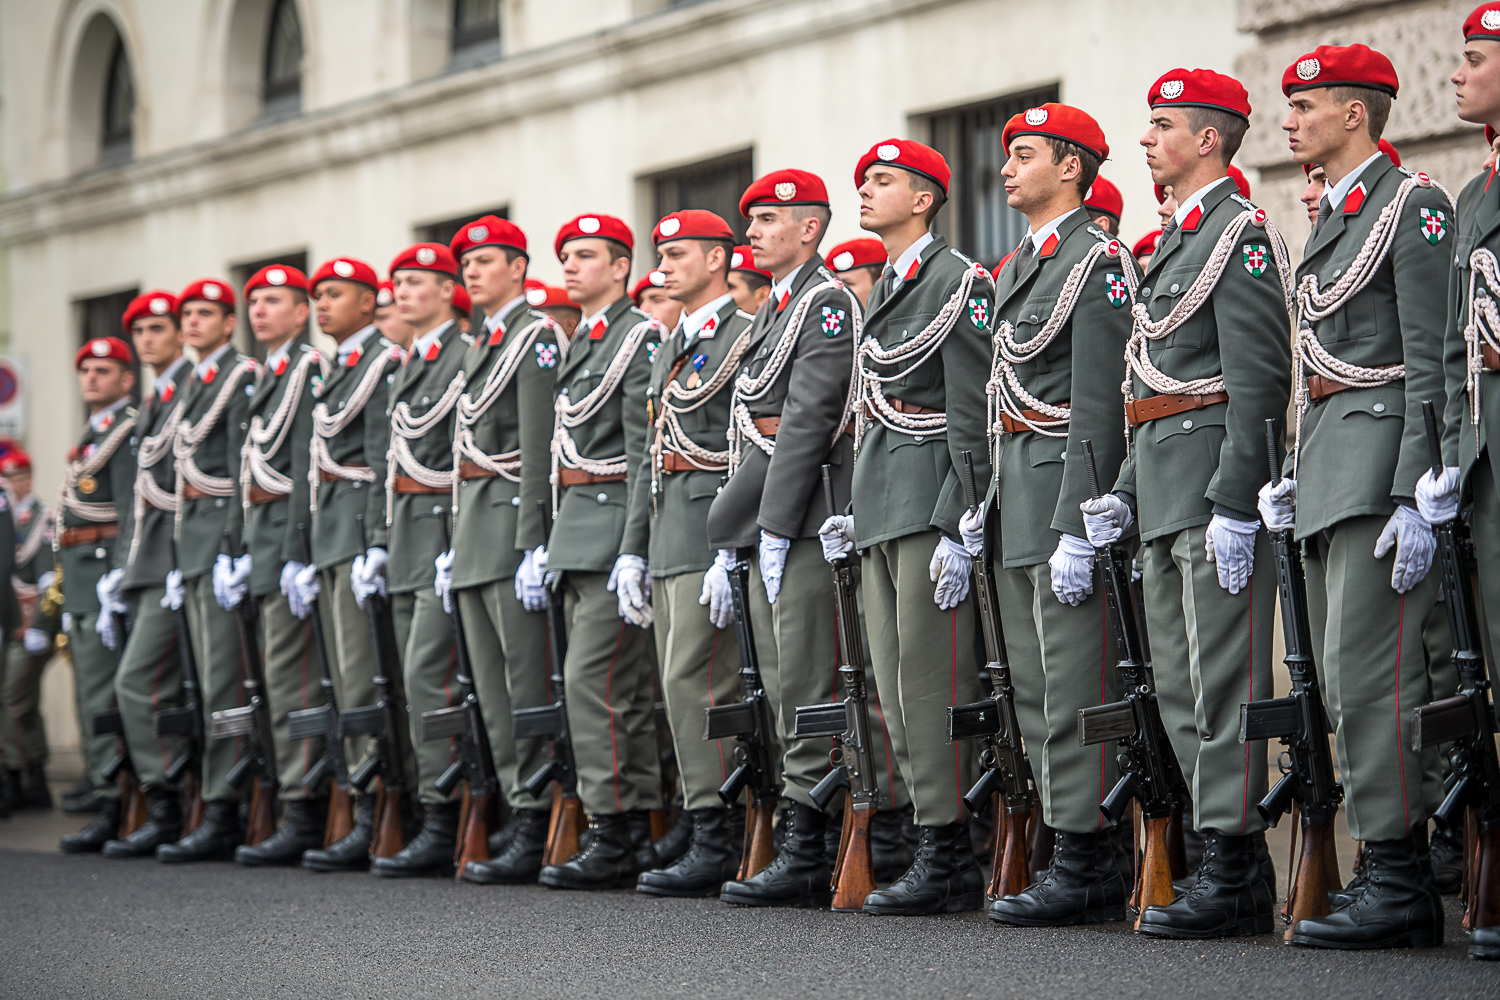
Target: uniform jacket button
1338,271
1378,407
918,439
584,373
1175,287
1146,292
1034,319
515,501
100,553
424,400
602,498
1187,425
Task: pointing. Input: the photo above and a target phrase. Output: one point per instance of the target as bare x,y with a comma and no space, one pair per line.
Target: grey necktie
887,282
1025,252
1325,209
1169,227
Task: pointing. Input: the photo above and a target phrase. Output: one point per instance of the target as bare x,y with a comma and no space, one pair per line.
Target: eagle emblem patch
833,321
546,355
979,313
1254,258
1434,224
1115,289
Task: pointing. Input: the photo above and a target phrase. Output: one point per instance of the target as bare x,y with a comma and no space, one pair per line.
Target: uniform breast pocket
1164,295
1044,450
1358,318
1381,405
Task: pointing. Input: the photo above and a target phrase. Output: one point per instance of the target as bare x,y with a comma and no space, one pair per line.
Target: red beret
1146,244
1483,23
385,294
785,187
344,269
855,253
1200,88
104,348
155,303
488,231
1240,180
1104,197
651,279
540,295
425,257
1058,121
1340,66
604,227
14,460
691,224
208,290
743,259
461,300
276,276
907,155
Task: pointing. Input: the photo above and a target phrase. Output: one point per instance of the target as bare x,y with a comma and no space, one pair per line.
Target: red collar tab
596,332
1190,223
911,272
1355,199
211,374
280,368
167,392
352,358
786,297
432,351
1049,246
706,331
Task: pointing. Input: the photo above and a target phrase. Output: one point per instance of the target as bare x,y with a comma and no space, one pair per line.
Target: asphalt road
75,927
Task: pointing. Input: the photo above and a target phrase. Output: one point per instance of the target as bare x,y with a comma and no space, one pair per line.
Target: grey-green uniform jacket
669,528
147,543
28,519
1185,468
591,519
360,444
1363,450
1040,479
84,564
416,533
498,519
1477,226
783,493
203,521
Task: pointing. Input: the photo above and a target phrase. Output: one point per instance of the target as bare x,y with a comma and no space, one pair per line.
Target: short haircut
822,213
753,281
1231,128
1377,106
1111,224
920,183
725,245
616,250
1088,162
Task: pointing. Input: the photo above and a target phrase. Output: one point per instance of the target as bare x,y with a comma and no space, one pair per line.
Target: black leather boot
430,852
34,791
501,838
163,825
1447,862
1267,869
889,854
1227,900
1358,882
301,830
352,853
678,839
100,831
608,862
81,798
10,790
800,872
1484,943
214,840
638,822
710,860
521,861
1399,908
944,878
1081,885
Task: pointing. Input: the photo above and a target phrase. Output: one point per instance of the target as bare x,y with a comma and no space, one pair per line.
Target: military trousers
1373,670
924,660
610,681
1212,653
1442,682
216,647
93,692
429,675
700,668
294,678
346,626
149,680
1062,659
24,731
508,647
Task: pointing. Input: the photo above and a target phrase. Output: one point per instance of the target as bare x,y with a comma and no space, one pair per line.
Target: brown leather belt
406,484
901,407
1490,357
191,492
1320,388
334,477
577,477
768,426
90,534
1011,425
259,496
474,471
672,461
1140,411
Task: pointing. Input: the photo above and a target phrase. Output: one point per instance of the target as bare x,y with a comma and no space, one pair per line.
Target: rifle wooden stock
854,872
476,821
1315,875
132,803
262,821
565,827
340,816
660,824
192,795
760,845
1153,885
1011,871
390,833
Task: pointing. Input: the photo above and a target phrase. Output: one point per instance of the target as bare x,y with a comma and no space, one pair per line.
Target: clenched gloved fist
110,604
837,537
772,559
175,595
442,581
716,595
1437,499
297,599
531,588
950,569
1277,504
1105,519
971,530
1231,548
1411,536
37,642
231,580
630,581
1072,566
367,575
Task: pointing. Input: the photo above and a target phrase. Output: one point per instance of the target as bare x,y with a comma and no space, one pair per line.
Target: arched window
117,120
281,89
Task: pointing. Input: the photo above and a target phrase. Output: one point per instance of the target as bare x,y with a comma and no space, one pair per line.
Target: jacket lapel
937,246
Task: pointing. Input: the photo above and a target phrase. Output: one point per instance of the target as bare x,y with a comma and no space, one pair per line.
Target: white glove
1437,499
1411,536
307,585
367,575
530,580
716,594
294,598
950,569
631,582
175,594
836,536
1231,548
44,582
1105,519
443,583
108,591
971,530
1072,566
1278,505
38,642
67,621
231,578
772,558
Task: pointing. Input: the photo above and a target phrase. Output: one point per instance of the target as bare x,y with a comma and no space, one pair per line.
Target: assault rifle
748,720
1301,723
993,721
310,723
253,722
120,769
186,721
550,722
847,721
1151,774
384,723
1467,720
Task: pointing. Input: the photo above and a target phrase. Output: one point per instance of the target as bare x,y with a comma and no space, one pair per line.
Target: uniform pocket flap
1189,421
1044,449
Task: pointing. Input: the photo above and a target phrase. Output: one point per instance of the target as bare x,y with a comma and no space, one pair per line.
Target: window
281,87
444,231
977,220
715,185
244,337
476,33
115,139
100,316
